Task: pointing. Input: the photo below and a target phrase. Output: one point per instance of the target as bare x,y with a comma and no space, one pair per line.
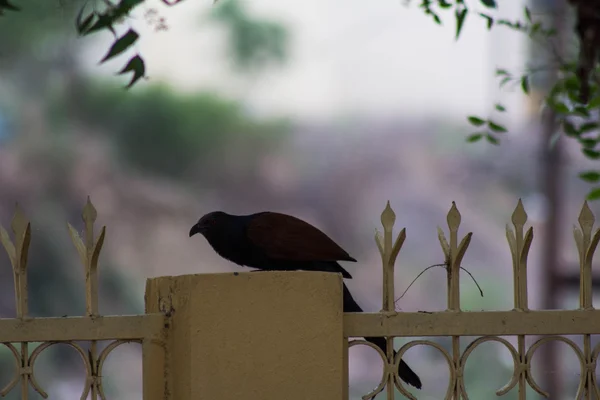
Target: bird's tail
408,375
331,266
404,371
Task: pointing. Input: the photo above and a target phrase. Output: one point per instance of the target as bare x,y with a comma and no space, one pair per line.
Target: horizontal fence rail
489,325
32,336
117,327
473,323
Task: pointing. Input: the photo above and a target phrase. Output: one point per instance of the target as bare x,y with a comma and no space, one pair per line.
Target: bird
271,241
404,371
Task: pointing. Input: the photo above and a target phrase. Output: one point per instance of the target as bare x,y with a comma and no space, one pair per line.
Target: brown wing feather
288,238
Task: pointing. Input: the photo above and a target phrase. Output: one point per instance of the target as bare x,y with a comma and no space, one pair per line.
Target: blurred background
323,110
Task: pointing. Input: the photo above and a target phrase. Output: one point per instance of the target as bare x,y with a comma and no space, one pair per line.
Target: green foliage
253,43
24,24
121,44
578,120
574,98
574,117
492,129
113,14
461,11
5,5
160,131
594,194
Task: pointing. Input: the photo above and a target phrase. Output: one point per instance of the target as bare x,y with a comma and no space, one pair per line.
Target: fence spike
388,218
389,250
586,246
89,252
453,253
453,218
519,215
519,244
18,252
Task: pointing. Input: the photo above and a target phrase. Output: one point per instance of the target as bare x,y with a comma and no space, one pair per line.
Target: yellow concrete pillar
251,336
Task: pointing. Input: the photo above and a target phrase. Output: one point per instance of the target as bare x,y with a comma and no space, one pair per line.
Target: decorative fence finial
586,245
89,254
519,244
17,253
453,254
389,253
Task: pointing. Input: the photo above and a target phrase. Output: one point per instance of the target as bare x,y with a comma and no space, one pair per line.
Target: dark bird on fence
404,371
271,241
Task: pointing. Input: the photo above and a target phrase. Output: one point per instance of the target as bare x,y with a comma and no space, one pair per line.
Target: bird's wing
285,237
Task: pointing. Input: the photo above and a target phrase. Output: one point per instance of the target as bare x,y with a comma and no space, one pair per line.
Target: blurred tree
254,44
42,34
574,97
159,131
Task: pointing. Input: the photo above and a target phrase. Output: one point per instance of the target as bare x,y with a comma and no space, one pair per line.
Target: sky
348,57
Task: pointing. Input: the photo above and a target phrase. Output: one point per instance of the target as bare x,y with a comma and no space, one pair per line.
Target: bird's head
207,222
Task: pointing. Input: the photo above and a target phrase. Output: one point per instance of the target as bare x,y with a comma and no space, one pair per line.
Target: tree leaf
123,8
489,19
594,194
6,5
135,64
83,25
492,139
121,44
581,111
505,80
594,103
528,14
489,3
525,84
502,72
104,21
589,153
500,107
588,127
475,137
460,20
570,129
572,84
475,121
496,127
559,107
588,143
590,176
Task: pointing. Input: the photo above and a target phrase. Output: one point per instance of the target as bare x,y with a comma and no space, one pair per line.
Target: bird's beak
195,229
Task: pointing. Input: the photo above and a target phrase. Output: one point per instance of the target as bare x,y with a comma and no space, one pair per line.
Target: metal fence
92,327
490,325
160,335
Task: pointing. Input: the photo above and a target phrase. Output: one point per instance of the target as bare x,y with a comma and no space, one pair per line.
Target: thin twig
471,275
445,266
418,276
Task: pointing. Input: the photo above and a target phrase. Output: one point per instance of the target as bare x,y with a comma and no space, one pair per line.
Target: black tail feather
404,371
330,266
